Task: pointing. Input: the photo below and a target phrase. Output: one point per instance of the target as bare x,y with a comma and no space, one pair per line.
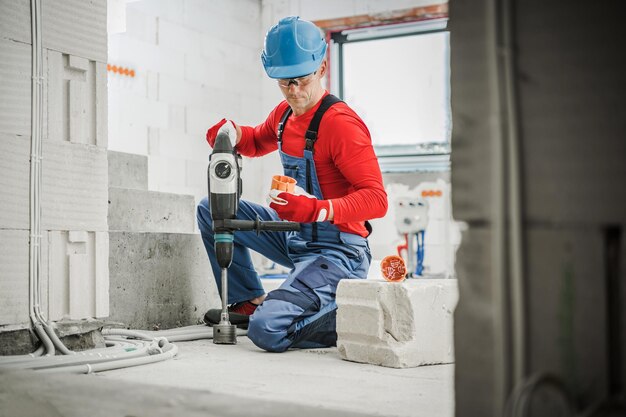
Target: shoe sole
212,317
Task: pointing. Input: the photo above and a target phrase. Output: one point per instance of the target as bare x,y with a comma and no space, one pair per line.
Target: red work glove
211,134
300,208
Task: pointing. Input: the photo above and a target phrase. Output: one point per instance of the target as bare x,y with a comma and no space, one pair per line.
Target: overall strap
281,124
310,138
311,134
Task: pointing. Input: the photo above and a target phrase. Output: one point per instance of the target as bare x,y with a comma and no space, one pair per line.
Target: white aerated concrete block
231,54
14,181
15,87
399,325
199,119
102,111
79,274
141,26
167,9
143,112
164,172
77,99
76,27
178,37
148,56
205,70
15,20
13,276
174,90
197,174
173,144
224,23
75,187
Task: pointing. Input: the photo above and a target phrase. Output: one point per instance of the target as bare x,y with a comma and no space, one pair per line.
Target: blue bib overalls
302,312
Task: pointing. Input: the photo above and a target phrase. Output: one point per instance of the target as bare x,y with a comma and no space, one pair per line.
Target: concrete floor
220,380
316,378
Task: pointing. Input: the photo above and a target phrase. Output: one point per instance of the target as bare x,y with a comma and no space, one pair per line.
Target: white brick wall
74,165
195,63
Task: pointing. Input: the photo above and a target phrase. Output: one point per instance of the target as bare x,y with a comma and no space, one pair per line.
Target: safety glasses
298,82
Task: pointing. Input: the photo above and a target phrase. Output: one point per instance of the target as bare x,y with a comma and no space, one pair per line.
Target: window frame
425,157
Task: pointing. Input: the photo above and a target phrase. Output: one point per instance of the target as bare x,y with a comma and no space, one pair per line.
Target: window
397,78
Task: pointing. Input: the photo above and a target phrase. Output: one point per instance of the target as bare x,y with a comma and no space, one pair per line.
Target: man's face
303,93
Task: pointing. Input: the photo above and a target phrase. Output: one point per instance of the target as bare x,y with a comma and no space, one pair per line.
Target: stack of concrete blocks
159,271
399,325
74,269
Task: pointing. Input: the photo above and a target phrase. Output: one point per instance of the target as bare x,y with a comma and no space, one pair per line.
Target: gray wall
568,79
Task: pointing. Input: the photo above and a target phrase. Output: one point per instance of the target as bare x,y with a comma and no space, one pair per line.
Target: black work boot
238,314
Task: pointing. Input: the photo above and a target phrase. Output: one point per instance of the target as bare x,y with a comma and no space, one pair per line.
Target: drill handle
278,226
229,225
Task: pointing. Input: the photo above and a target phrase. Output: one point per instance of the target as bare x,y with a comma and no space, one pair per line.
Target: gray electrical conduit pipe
35,176
67,360
85,355
48,336
143,349
185,329
120,348
169,351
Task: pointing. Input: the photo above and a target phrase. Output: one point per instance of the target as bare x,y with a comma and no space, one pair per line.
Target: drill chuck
224,249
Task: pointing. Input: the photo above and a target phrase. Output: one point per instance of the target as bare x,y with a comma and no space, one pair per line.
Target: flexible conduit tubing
129,333
44,331
177,330
126,348
68,360
169,351
111,353
35,167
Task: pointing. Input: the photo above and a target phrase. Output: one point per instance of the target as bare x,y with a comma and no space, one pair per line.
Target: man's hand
223,126
300,208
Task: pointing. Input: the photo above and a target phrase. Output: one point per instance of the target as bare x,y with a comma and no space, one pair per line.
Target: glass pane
400,87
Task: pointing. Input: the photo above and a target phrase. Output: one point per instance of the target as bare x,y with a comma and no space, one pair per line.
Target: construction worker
327,148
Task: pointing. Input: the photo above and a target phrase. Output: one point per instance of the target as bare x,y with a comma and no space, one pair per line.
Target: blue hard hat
293,48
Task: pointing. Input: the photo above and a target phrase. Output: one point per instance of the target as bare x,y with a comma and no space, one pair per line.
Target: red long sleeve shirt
347,167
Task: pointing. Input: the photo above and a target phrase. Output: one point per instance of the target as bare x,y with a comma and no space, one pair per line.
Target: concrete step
128,170
159,280
150,211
